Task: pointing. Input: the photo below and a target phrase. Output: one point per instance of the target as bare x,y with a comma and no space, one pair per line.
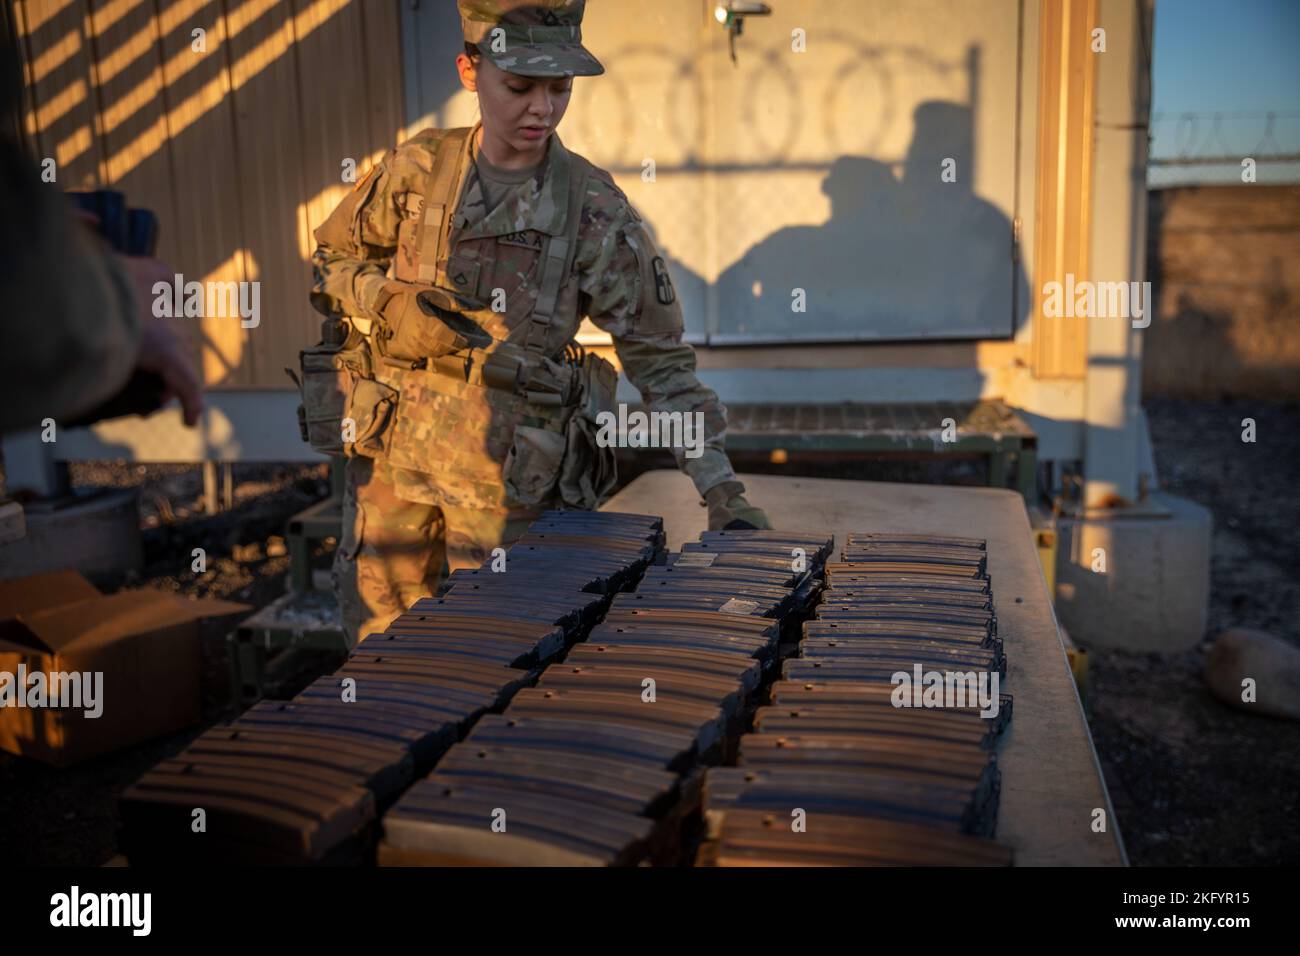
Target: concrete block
1138,582
97,535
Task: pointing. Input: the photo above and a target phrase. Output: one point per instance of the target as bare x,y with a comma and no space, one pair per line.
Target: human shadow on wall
898,258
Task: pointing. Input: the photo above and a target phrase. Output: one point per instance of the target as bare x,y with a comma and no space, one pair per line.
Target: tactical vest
431,251
512,423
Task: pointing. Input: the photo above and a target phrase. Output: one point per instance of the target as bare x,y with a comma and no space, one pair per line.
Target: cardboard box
133,656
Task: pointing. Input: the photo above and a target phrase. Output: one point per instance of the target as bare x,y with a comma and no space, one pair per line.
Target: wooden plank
61,122
208,236
338,94
269,154
133,116
334,104
345,114
26,110
383,73
218,143
410,37
431,39
1065,147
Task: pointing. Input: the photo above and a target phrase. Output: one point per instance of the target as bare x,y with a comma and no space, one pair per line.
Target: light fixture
732,16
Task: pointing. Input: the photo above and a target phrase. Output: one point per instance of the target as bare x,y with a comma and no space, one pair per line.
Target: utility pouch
590,469
370,412
533,464
344,410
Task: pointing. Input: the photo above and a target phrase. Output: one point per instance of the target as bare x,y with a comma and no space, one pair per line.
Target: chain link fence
1224,148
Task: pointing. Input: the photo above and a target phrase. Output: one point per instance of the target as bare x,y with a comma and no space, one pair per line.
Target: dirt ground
1193,781
69,816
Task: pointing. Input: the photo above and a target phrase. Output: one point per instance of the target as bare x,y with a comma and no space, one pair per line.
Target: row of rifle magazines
604,702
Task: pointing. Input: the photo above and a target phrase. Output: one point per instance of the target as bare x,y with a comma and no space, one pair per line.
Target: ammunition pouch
509,368
590,466
345,410
478,421
573,462
370,412
458,431
532,466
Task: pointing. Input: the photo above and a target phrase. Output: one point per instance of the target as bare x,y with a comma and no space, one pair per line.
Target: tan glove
729,511
428,323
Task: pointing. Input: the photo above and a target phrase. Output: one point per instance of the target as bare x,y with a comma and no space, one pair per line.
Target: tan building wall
814,161
238,147
834,152
1225,267
239,151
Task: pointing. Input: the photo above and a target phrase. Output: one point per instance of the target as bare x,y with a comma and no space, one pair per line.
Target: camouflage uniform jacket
618,279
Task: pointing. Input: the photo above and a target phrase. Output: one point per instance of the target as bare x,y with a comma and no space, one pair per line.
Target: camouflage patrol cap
530,37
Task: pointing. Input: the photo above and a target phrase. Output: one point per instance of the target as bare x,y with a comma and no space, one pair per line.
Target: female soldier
500,241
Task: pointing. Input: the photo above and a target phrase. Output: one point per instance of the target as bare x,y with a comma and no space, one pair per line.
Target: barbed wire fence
1211,147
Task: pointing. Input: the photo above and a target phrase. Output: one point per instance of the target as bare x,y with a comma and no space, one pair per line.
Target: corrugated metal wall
238,145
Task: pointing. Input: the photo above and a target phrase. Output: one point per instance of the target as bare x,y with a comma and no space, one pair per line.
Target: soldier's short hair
472,52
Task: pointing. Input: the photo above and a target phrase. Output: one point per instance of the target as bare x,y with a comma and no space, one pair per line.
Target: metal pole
210,487
227,485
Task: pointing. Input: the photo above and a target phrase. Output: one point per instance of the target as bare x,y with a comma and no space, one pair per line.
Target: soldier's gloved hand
729,511
455,312
426,323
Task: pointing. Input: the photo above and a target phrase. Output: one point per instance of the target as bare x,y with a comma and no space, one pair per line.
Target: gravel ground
1193,781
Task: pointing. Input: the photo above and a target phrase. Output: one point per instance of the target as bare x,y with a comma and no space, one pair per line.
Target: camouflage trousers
395,550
